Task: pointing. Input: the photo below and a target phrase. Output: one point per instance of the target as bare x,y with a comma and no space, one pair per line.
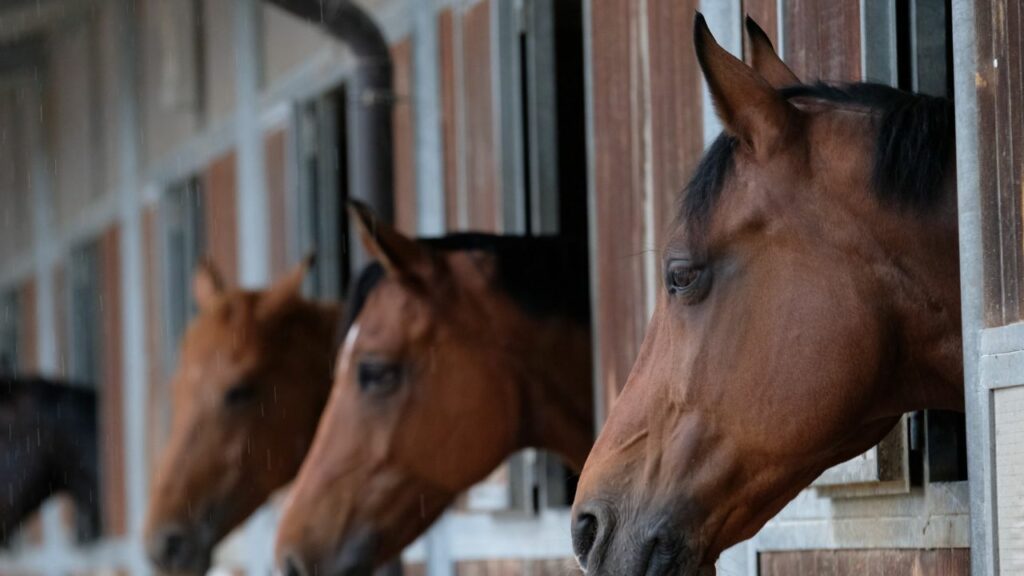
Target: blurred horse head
459,351
253,376
48,443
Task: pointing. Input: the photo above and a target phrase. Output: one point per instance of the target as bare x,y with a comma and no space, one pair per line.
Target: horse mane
46,391
545,275
914,144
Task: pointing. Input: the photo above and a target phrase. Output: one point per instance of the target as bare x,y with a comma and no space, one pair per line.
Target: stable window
84,309
540,52
182,226
317,219
9,333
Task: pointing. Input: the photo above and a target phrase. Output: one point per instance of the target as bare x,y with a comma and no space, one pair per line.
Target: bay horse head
810,296
460,351
48,442
253,376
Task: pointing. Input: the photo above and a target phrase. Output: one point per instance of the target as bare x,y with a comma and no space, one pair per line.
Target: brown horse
48,434
254,375
811,296
461,350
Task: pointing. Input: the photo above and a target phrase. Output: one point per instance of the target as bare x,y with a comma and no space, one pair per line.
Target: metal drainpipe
370,98
368,117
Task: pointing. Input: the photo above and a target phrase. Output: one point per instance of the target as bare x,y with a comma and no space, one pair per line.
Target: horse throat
556,389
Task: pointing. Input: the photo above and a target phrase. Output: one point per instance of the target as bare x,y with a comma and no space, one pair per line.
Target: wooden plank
766,14
909,562
1005,215
220,215
112,387
274,159
158,405
404,138
516,567
477,102
822,40
676,108
449,125
618,189
60,317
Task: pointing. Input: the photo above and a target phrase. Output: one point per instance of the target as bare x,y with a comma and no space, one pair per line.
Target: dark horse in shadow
48,446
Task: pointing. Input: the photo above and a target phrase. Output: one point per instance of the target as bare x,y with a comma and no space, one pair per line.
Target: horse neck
924,261
554,377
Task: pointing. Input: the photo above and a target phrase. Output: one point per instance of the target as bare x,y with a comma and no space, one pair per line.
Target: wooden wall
647,137
404,138
275,158
472,190
218,186
111,389
949,562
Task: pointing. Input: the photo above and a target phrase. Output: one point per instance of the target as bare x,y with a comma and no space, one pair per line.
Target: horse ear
287,288
751,110
396,252
207,285
766,60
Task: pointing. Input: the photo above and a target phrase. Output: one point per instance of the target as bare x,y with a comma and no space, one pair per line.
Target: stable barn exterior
139,136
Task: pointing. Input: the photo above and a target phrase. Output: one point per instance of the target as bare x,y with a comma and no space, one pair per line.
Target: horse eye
240,394
682,278
378,377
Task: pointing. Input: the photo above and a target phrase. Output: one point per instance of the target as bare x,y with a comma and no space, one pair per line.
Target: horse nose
590,527
293,566
168,547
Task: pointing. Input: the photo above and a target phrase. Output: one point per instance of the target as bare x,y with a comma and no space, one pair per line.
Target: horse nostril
293,566
584,535
168,547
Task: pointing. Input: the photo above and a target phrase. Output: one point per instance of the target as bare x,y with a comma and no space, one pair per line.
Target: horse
810,297
48,439
254,375
458,352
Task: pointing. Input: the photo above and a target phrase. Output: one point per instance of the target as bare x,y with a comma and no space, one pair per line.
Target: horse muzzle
178,550
651,545
354,557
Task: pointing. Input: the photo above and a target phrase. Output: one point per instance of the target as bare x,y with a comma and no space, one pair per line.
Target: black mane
46,391
913,148
545,275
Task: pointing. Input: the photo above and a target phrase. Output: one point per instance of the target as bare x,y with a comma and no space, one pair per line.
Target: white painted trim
427,116
486,536
251,198
967,69
1002,356
133,318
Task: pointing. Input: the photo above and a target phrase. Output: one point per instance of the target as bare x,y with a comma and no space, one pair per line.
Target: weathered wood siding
618,187
111,389
220,214
822,39
404,138
950,562
449,121
274,163
480,173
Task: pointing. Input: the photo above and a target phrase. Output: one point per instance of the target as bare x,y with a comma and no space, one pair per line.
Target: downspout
369,107
370,95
